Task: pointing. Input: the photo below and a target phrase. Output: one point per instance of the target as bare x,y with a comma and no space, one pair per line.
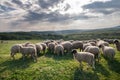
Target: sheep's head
116,41
74,51
102,45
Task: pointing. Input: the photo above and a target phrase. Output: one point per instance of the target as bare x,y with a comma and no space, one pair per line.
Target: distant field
51,67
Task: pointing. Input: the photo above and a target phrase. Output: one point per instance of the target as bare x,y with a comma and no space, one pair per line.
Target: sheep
117,43
51,47
86,45
93,43
110,41
108,52
77,45
59,49
101,42
15,49
85,57
44,47
67,46
39,48
29,51
94,50
29,45
26,44
59,41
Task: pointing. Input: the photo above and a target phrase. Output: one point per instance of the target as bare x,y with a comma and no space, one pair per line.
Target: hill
112,32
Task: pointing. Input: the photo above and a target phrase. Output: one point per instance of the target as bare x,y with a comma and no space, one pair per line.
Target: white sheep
59,49
85,57
29,45
117,43
67,46
51,47
44,47
101,42
108,52
93,43
94,50
77,45
86,45
15,49
29,51
39,48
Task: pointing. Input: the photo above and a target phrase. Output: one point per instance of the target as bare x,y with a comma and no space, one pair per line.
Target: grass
52,67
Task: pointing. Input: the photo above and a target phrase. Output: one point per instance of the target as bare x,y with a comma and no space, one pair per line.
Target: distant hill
113,32
76,31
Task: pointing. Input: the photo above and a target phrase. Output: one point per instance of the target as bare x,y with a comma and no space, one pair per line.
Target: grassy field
51,67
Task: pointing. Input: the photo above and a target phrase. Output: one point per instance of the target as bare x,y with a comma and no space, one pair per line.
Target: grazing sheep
51,47
110,41
77,45
15,49
44,47
59,41
85,57
108,52
94,50
93,43
29,45
101,42
86,45
59,49
39,48
117,43
29,51
67,46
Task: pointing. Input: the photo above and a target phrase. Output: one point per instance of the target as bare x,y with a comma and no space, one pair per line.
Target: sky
47,15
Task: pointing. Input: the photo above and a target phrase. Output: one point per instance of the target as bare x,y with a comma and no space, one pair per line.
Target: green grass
51,67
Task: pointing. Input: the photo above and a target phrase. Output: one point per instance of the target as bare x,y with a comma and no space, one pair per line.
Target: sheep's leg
34,57
23,56
93,65
98,57
88,66
80,65
12,55
44,51
62,53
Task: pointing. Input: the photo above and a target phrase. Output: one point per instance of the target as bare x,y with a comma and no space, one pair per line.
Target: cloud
48,3
18,15
108,7
50,17
5,8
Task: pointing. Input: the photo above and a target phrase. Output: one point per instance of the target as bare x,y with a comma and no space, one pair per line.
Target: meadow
53,67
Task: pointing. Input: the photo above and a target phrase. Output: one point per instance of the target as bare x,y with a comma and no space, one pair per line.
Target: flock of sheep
89,51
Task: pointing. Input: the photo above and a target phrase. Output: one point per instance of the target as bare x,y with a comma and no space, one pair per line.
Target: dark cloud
102,7
7,3
18,2
21,5
67,7
5,8
48,3
50,17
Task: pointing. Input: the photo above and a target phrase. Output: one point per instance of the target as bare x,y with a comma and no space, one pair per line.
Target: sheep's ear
99,46
116,41
74,51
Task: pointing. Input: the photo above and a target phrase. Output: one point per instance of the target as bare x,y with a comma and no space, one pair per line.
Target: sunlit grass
52,67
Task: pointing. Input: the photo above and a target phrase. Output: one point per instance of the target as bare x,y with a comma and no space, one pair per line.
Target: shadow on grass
114,65
101,69
91,75
85,75
60,57
12,65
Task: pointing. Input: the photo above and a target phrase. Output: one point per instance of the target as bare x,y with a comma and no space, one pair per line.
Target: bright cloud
42,15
